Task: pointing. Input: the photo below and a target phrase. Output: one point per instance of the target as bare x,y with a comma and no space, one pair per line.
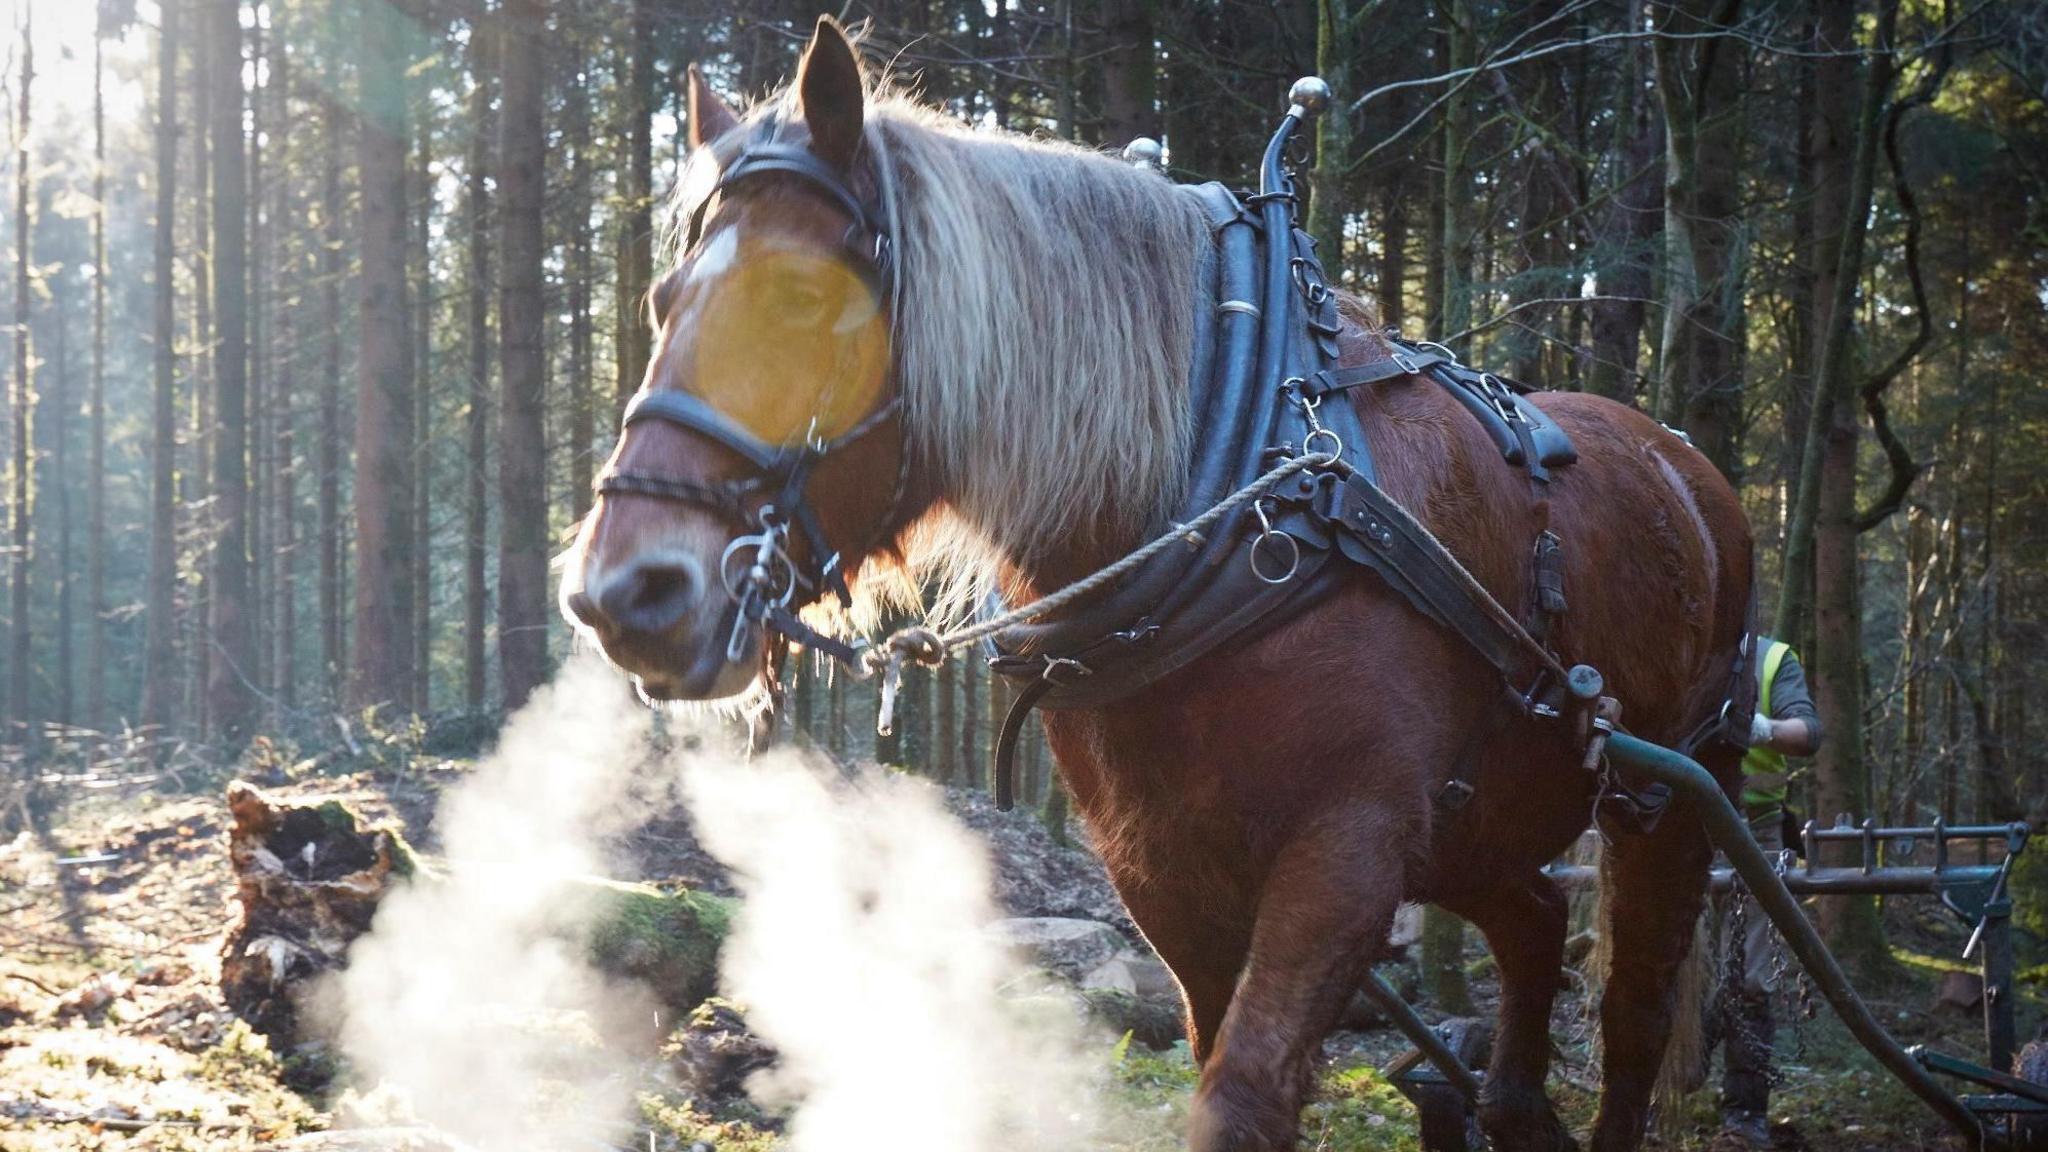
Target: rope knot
919,645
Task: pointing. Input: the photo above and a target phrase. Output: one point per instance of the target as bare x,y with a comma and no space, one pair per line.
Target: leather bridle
757,569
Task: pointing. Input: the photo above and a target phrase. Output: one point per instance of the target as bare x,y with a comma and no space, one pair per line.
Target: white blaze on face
715,257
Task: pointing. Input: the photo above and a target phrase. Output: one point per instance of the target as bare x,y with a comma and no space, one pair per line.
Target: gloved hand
1759,729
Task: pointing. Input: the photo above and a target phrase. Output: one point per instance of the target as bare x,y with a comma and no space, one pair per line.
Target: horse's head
763,453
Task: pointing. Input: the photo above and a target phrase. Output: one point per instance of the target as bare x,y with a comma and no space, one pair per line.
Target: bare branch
1904,470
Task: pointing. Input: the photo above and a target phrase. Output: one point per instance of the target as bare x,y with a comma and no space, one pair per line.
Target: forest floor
113,1033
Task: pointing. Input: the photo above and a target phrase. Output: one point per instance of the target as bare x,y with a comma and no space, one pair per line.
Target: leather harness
1265,367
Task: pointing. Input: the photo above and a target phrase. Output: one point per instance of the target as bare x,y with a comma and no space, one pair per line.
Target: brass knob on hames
1310,97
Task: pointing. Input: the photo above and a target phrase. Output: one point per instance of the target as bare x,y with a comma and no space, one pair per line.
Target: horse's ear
830,94
710,116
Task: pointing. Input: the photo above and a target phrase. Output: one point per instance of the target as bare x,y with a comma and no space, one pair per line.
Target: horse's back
1659,563
1655,548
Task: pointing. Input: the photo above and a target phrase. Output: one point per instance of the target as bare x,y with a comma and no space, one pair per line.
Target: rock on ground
1070,947
1134,973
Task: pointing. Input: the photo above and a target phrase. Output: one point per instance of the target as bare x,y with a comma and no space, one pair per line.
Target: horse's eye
663,298
803,302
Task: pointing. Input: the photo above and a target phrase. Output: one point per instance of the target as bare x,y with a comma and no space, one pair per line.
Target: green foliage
1358,1108
1353,1108
2030,892
680,1122
669,939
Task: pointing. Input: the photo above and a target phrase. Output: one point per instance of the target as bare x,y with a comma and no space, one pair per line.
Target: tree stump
308,879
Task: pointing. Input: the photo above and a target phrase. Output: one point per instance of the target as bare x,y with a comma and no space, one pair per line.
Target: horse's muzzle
656,617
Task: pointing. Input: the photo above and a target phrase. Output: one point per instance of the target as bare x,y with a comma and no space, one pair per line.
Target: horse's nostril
651,595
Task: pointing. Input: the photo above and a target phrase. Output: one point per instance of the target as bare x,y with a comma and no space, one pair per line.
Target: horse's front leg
1524,922
1652,889
1322,918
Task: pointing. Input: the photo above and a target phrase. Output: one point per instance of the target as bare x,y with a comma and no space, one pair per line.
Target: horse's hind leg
1525,924
1323,917
1652,889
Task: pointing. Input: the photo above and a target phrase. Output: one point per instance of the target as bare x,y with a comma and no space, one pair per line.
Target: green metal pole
1730,833
1420,1034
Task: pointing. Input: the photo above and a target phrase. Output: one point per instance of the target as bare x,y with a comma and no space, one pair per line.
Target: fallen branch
32,982
123,1124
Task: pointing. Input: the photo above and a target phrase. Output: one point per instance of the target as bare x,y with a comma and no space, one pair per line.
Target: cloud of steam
471,1000
859,954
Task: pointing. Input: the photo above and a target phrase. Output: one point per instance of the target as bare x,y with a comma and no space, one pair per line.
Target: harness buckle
1308,279
1406,363
1446,353
1498,398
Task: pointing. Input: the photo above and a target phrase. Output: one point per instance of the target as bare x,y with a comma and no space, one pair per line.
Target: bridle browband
757,569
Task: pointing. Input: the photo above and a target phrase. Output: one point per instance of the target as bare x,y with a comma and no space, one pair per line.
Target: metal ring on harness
1268,532
768,573
1336,449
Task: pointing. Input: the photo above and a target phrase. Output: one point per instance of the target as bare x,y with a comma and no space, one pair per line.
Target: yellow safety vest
1763,769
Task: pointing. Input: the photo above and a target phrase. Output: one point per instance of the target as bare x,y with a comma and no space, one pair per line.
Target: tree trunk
385,436
198,484
1333,137
423,432
284,588
946,737
968,766
522,469
636,203
159,654
18,668
1455,309
476,512
61,401
96,461
1699,82
1443,962
580,276
1622,245
1826,515
230,687
1129,72
836,717
260,458
333,658
1829,142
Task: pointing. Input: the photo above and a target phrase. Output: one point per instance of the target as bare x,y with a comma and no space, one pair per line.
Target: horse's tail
1684,1070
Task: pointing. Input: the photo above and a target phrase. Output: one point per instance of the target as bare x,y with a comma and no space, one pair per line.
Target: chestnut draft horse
988,375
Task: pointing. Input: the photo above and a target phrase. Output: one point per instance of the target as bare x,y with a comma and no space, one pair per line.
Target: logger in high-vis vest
1786,724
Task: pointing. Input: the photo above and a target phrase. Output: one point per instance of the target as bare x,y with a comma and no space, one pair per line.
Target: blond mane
1043,338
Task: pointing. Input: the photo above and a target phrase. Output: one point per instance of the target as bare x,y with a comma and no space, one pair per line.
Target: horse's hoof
1525,1123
